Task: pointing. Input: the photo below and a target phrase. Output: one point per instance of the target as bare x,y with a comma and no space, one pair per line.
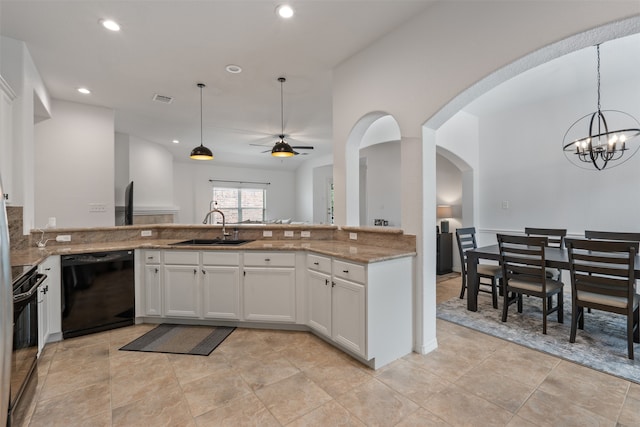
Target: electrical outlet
97,207
146,233
288,233
505,204
267,233
63,238
353,236
305,234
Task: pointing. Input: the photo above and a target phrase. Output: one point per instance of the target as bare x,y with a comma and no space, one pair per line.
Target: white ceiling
166,47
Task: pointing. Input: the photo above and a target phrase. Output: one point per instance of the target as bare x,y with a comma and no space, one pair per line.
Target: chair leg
636,322
494,292
581,320
630,318
545,308
576,313
505,305
464,286
519,303
560,308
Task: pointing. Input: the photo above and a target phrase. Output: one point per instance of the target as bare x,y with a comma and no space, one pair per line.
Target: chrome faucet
206,220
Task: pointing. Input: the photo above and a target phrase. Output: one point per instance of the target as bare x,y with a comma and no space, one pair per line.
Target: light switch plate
305,234
146,233
353,236
288,233
267,233
63,238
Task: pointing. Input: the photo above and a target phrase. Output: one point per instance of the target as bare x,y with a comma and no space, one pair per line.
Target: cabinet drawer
182,257
221,258
349,271
269,259
319,263
152,257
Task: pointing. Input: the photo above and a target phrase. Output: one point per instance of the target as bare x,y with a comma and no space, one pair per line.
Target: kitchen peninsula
351,286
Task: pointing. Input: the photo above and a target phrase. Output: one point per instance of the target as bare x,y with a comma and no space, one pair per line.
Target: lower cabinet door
348,315
270,294
181,291
319,302
152,291
221,292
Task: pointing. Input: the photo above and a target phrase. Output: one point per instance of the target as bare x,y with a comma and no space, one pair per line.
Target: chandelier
608,138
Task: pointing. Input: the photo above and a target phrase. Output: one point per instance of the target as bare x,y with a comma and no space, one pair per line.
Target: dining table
554,257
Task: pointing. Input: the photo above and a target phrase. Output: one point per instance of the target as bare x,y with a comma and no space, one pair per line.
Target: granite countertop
347,250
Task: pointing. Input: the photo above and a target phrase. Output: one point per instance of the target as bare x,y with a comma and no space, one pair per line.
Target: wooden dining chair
523,273
602,278
466,238
612,235
556,240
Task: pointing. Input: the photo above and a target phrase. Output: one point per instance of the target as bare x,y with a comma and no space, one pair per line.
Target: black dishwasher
97,292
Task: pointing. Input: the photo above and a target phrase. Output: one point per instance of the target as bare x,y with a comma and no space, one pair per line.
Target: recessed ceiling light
175,141
84,90
285,11
110,24
233,69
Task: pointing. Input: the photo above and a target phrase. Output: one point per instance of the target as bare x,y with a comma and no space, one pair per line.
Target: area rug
180,339
602,345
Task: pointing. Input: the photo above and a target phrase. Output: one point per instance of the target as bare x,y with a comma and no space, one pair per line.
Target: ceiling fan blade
302,147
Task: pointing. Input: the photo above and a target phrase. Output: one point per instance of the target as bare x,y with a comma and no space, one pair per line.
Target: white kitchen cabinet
49,307
319,294
221,285
269,287
348,315
152,284
181,284
365,309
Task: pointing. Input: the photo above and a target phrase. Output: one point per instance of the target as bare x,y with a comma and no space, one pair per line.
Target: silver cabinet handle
316,263
345,271
267,259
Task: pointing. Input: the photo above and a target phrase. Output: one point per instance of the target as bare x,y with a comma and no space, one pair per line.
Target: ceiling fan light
282,149
201,153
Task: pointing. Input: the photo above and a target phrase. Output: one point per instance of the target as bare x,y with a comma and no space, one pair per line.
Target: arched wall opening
369,181
433,143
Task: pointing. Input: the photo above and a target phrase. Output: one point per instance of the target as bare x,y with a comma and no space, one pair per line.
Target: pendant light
282,149
607,141
201,152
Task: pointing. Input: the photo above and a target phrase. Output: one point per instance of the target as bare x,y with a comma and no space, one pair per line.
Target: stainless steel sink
211,242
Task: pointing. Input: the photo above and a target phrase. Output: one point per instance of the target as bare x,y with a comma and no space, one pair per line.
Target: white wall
383,183
431,60
74,166
523,163
151,170
322,177
31,100
121,167
195,189
308,195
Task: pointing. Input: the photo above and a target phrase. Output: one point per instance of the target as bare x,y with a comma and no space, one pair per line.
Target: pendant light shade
201,152
282,149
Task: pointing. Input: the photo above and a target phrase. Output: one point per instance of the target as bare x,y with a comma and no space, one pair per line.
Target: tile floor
272,378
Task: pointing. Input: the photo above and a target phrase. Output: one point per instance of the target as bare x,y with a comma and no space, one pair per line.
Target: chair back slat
522,255
603,267
555,235
466,238
612,235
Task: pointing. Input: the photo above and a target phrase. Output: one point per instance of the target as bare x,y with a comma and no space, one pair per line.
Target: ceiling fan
282,147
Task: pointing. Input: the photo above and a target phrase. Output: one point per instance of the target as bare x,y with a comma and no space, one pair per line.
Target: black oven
25,342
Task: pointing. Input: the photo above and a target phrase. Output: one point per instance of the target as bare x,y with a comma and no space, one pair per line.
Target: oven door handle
26,295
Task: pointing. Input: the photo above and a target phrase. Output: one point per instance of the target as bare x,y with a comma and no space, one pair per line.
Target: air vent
162,98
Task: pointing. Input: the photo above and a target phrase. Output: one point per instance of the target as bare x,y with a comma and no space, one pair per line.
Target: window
240,204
